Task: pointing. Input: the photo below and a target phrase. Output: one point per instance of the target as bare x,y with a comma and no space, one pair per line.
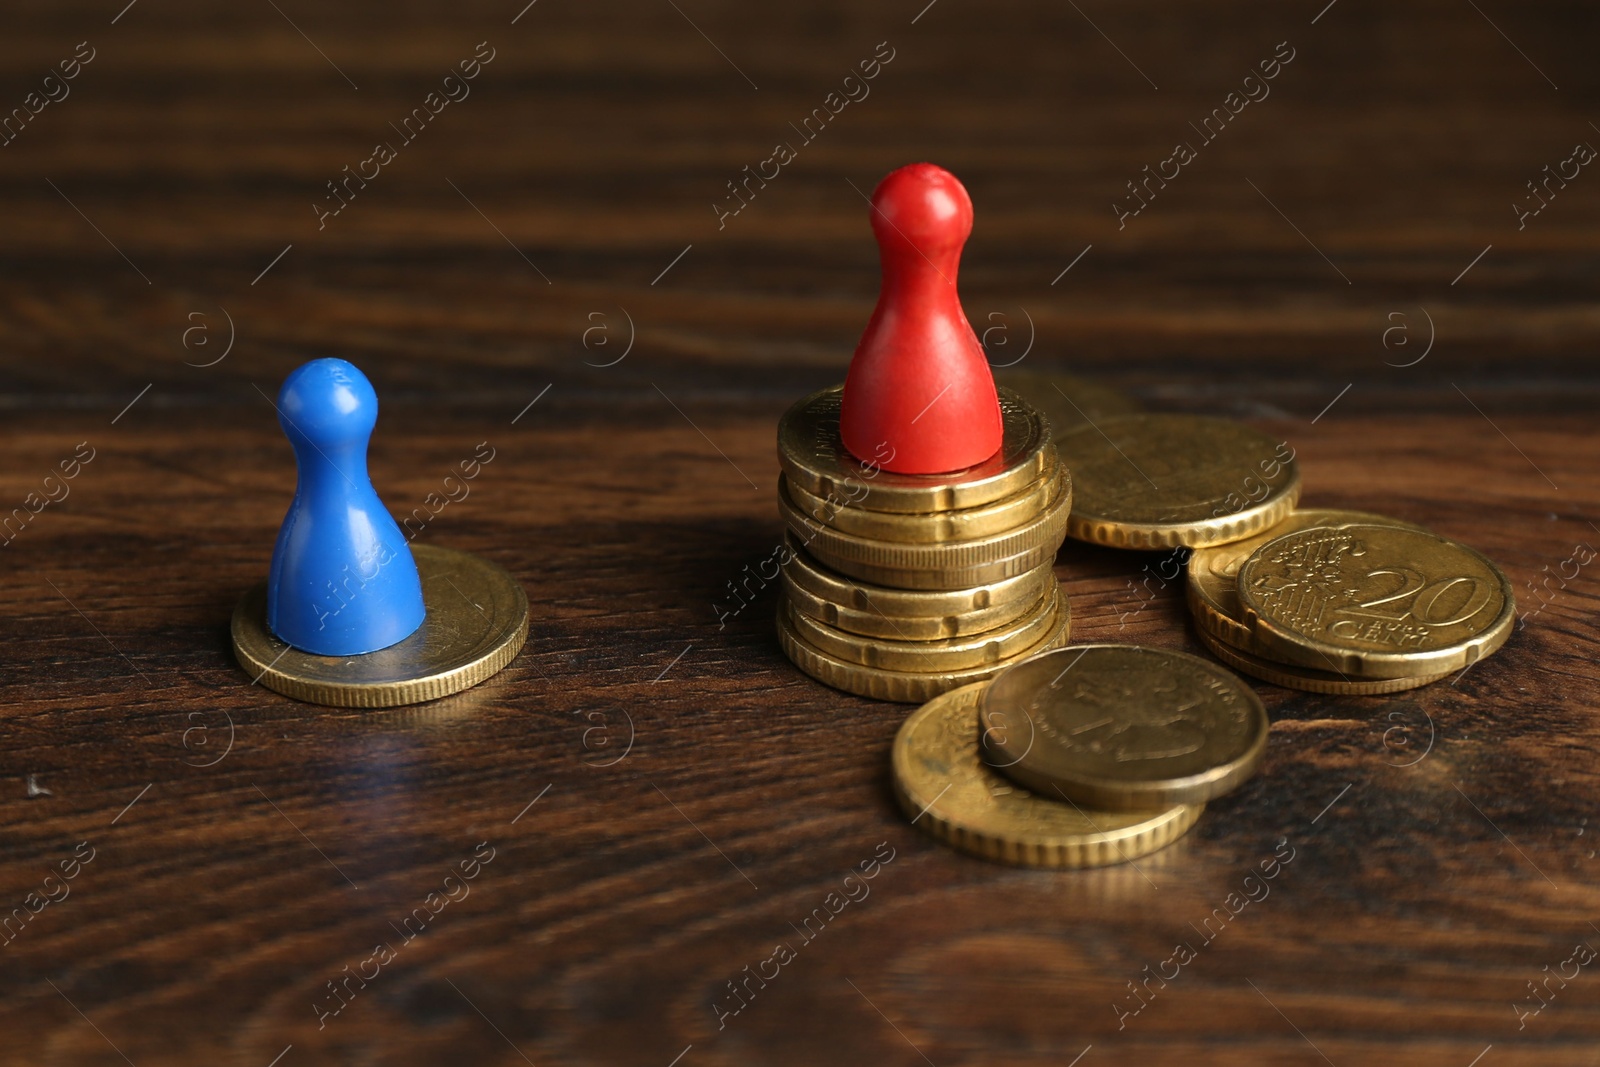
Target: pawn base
476,624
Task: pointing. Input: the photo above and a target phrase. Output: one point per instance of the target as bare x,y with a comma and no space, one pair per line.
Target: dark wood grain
693,797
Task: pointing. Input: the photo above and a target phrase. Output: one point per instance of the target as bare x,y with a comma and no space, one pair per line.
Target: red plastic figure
919,398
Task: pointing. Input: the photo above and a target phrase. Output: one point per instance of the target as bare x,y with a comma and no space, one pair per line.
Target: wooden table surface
650,802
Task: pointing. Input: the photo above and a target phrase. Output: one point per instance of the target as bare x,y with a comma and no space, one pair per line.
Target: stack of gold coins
1350,603
902,586
1079,757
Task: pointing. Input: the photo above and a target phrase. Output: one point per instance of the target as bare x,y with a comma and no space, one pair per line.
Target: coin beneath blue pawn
476,623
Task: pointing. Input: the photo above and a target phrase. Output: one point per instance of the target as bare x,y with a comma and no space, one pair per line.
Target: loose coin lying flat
1020,590
955,653
1308,679
813,457
1123,726
932,528
1066,402
880,684
870,623
1038,528
477,621
1374,601
945,788
1160,481
1213,578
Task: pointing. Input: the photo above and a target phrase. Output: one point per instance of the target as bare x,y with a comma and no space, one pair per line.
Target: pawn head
329,403
924,204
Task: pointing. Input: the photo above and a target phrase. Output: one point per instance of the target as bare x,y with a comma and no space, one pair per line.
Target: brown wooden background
1444,852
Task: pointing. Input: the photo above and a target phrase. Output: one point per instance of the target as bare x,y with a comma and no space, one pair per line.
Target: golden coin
933,528
1213,577
899,606
953,653
814,457
873,623
1039,528
1123,726
1306,678
945,578
947,790
1374,601
904,686
1066,402
1160,481
476,622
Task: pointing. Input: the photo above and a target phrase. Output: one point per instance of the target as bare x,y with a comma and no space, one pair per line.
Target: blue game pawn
343,581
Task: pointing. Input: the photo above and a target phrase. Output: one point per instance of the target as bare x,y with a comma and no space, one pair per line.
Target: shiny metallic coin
899,603
477,621
1161,481
926,529
1213,573
1305,678
905,686
814,457
1123,727
1374,601
870,622
1037,529
944,579
948,791
954,653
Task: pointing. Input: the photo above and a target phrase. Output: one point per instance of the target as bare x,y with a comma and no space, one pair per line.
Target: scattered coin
1309,679
1160,481
947,790
1123,726
1375,601
1213,573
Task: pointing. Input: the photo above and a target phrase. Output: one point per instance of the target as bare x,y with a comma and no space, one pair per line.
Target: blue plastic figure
343,582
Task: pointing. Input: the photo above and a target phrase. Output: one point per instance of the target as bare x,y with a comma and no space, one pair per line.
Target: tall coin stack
902,587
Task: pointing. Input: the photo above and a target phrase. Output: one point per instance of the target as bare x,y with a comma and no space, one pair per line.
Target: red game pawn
919,398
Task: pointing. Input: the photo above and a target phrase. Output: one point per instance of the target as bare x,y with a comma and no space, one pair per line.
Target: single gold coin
904,686
952,653
935,527
947,790
1047,525
1123,726
961,578
813,457
1065,401
1213,573
1374,601
1161,481
1306,678
1019,591
871,623
476,623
